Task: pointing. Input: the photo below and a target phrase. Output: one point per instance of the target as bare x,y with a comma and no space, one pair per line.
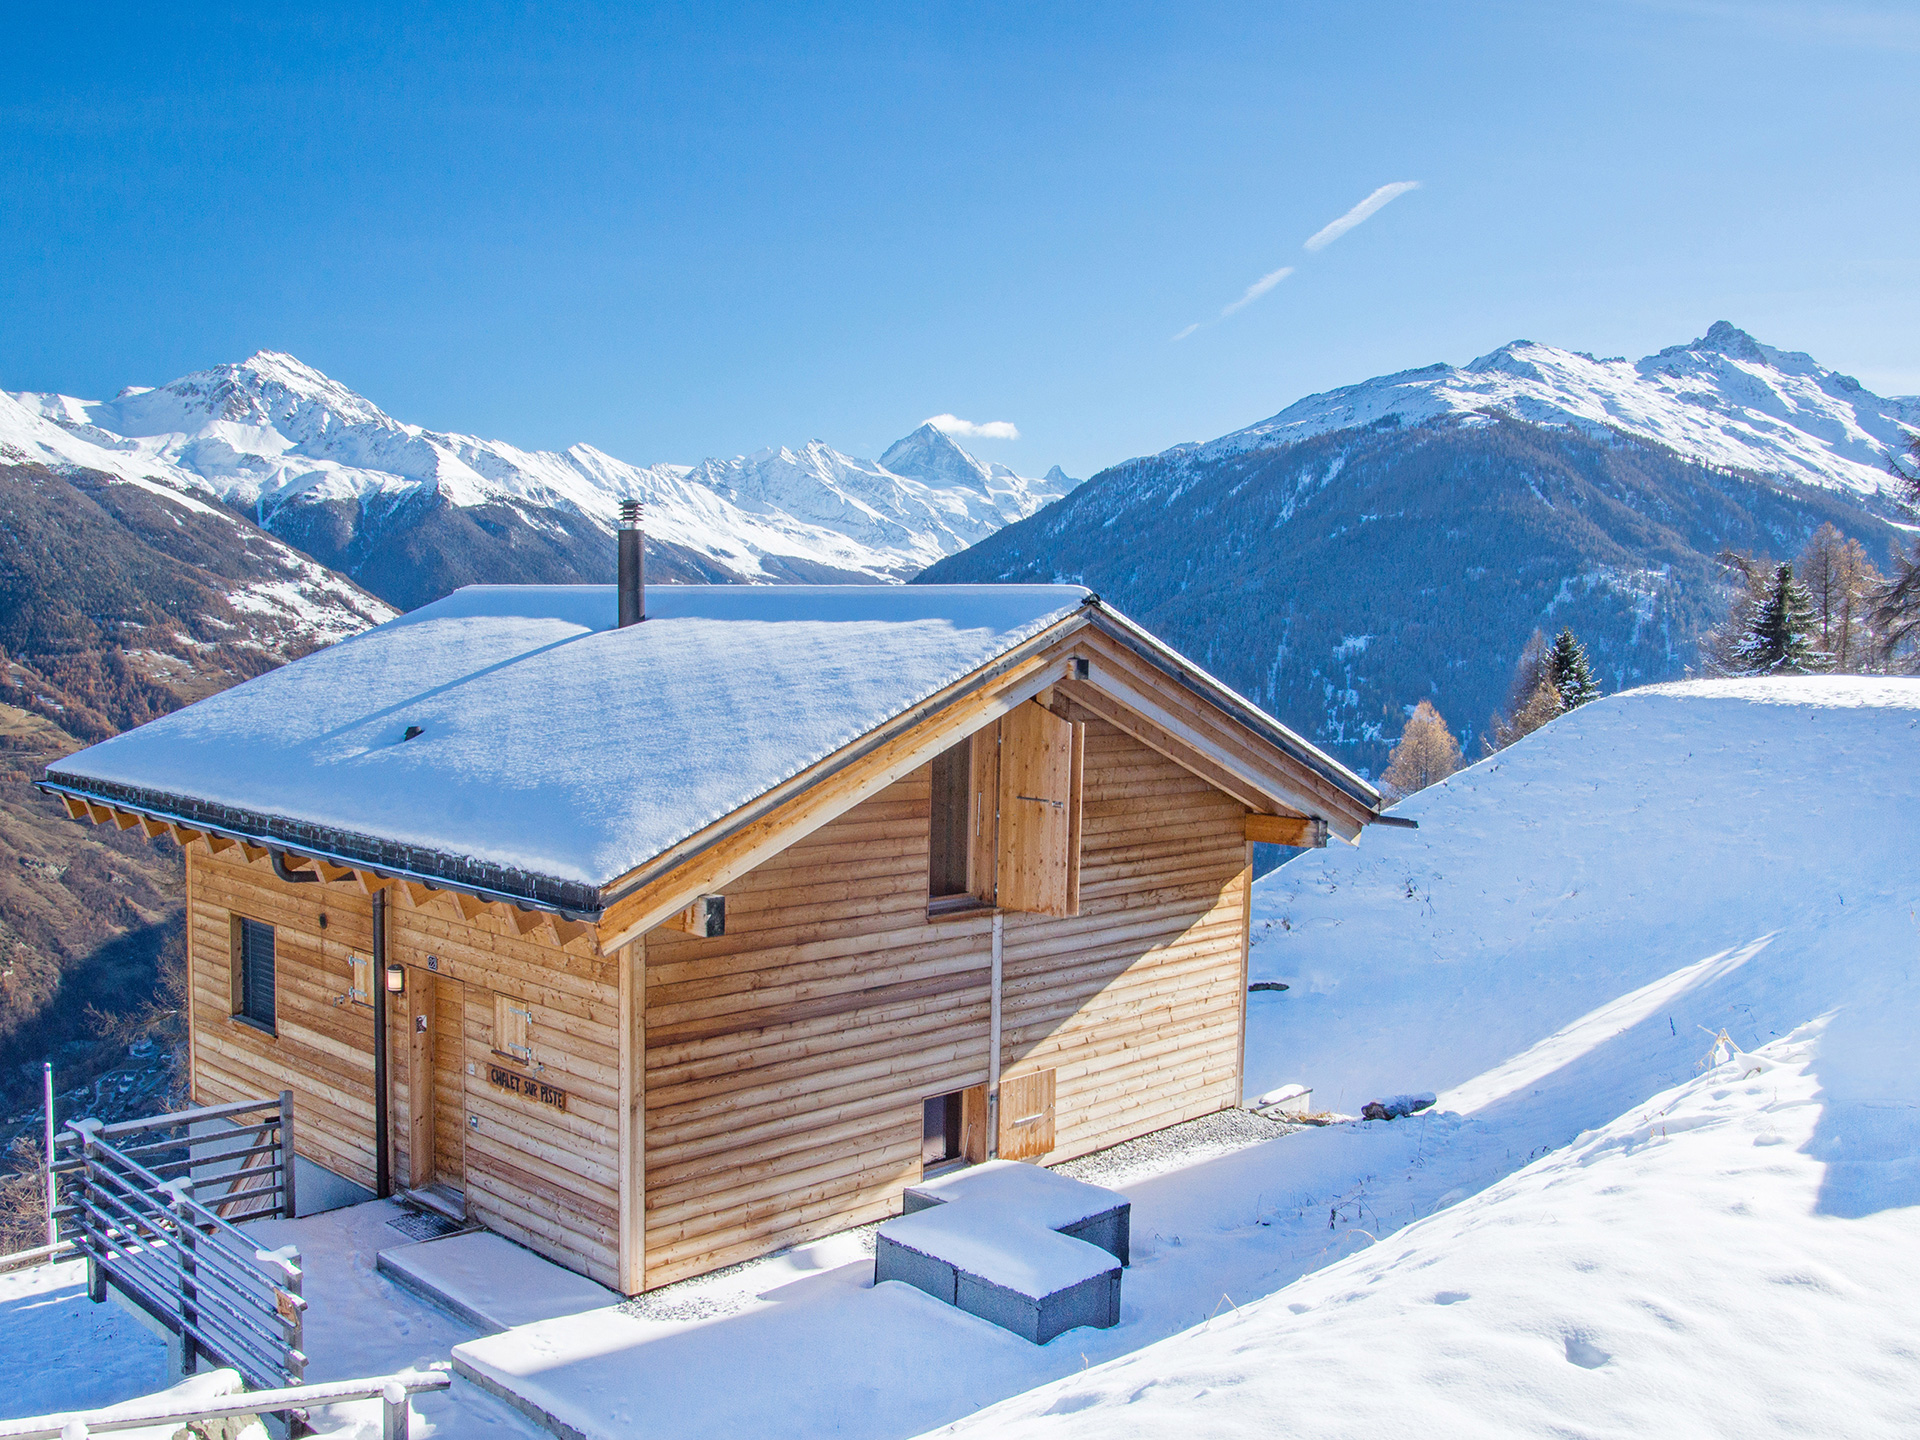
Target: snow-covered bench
1032,1251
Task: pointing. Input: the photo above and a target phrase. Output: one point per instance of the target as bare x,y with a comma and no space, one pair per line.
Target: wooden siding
1136,1004
541,1176
787,1061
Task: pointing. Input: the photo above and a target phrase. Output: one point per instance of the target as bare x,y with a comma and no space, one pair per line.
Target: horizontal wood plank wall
543,1177
323,1051
786,1061
539,1175
1135,1004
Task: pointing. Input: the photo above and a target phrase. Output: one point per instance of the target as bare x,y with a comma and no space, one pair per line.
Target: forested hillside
118,602
1339,579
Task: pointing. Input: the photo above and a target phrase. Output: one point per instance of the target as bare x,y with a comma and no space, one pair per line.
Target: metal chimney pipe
633,566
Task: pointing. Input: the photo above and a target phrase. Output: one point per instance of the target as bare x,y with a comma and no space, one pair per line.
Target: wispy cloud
1370,206
1319,240
1258,288
983,430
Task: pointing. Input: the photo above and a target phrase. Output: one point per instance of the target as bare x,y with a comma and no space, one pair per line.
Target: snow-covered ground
1636,1236
59,1351
1614,1223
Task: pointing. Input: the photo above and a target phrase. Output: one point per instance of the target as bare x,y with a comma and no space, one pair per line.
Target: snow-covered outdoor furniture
1034,1252
1032,1192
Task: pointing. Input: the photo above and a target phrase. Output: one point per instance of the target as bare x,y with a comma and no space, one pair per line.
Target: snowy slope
1724,399
290,603
1637,1230
272,435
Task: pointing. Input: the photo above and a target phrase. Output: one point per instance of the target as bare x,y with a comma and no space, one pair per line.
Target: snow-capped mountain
410,512
1401,538
283,604
1725,400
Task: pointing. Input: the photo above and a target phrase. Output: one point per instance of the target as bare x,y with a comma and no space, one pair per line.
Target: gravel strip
726,1291
732,1289
1175,1147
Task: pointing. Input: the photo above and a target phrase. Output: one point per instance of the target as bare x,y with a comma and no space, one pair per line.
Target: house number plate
526,1087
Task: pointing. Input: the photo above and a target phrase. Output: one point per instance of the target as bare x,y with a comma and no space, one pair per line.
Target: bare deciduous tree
1427,753
1841,582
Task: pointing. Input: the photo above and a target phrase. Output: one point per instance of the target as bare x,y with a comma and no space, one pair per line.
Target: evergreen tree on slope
1780,633
1570,673
1532,699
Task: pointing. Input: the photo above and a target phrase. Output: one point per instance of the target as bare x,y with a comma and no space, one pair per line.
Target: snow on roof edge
525,884
1169,660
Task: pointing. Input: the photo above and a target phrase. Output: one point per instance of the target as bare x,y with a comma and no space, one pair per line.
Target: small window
940,1131
947,841
253,972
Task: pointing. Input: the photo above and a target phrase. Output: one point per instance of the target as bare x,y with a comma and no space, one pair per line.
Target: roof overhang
1122,677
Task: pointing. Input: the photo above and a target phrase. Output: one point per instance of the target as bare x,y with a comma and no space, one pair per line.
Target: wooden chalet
661,945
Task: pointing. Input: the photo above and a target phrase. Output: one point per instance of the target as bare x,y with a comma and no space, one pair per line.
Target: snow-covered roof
551,744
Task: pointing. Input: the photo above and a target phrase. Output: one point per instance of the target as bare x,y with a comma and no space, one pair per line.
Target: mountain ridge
410,512
1724,399
1400,538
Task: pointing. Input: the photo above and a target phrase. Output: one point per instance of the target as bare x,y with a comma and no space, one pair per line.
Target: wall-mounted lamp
396,979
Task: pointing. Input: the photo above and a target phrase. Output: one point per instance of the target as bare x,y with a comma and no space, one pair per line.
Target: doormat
425,1225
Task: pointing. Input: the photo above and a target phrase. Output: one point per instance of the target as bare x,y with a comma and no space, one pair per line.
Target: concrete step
490,1282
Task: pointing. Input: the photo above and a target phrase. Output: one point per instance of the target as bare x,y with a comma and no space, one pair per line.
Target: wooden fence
153,1204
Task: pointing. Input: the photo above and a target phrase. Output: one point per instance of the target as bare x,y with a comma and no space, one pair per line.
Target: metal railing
157,1410
152,1205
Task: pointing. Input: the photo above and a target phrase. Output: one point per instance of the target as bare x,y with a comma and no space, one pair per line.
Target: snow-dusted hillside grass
1635,1235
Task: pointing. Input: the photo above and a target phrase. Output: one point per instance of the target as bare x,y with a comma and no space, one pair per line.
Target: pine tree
1569,672
1751,578
1532,699
1780,638
1427,754
1896,601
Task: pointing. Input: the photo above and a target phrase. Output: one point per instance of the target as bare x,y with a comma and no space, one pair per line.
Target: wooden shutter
1039,819
1026,1116
512,1029
253,971
973,1123
983,818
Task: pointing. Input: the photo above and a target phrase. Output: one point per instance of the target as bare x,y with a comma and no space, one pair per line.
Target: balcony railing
153,1204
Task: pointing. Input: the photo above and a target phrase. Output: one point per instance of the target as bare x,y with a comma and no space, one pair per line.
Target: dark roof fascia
572,900
1171,663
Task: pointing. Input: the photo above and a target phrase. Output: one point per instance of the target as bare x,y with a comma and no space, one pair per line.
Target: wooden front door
450,1083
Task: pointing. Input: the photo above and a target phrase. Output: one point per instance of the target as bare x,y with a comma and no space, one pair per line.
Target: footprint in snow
1451,1297
1584,1354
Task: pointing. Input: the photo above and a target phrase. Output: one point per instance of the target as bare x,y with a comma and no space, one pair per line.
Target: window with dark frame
940,1131
254,958
947,841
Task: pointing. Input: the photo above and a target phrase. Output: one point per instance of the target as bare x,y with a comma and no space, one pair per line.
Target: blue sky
675,232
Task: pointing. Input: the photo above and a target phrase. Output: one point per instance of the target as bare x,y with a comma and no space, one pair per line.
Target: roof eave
1170,662
570,899
770,801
